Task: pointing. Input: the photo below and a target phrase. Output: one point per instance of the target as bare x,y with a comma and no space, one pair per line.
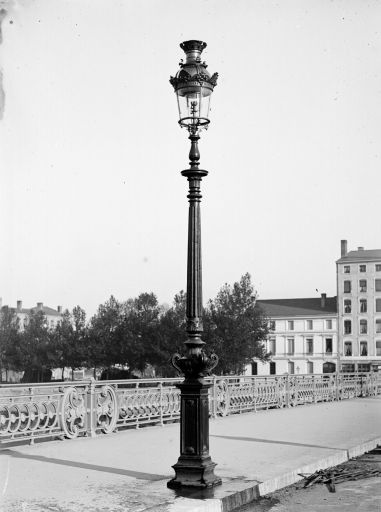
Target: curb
243,497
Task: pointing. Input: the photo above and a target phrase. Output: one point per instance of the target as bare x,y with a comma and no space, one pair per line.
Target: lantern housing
193,86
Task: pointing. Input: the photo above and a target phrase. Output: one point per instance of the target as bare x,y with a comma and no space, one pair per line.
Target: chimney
323,299
360,248
19,305
344,248
39,306
59,309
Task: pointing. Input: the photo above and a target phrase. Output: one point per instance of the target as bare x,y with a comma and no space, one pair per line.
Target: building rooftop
45,309
361,255
298,307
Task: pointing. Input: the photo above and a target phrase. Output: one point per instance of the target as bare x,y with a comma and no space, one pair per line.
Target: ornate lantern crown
193,86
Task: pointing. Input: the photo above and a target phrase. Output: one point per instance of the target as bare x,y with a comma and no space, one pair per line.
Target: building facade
303,338
53,316
329,334
359,308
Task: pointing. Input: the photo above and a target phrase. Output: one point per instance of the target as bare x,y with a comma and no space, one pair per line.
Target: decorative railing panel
93,407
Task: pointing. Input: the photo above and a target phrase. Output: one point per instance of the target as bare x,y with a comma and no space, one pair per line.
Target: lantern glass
194,103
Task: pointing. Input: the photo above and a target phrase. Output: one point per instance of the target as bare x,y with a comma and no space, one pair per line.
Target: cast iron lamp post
193,87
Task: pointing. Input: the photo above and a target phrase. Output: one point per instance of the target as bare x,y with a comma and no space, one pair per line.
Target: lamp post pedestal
194,467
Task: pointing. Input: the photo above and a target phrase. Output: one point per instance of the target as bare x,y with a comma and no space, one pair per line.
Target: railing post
161,403
31,393
254,394
91,423
288,390
214,408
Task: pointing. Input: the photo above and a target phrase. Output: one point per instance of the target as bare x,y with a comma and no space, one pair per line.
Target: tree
69,339
10,356
171,336
37,350
141,322
235,327
104,340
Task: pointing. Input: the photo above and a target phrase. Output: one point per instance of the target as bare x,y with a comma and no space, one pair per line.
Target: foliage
136,334
69,339
235,327
10,357
37,351
171,336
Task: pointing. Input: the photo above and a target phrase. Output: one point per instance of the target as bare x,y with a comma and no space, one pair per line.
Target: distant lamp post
193,86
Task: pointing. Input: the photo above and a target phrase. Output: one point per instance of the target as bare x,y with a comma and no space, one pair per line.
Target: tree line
136,334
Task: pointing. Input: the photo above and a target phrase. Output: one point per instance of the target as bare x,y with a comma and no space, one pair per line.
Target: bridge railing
71,409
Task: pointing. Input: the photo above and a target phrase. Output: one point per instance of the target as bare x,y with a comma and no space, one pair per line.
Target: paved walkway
256,453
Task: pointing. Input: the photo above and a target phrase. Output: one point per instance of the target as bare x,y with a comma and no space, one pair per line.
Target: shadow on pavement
271,441
82,465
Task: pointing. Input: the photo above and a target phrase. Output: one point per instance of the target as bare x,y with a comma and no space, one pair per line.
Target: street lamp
193,86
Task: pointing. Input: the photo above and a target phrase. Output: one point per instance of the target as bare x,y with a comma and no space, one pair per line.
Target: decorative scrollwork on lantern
183,77
73,412
107,409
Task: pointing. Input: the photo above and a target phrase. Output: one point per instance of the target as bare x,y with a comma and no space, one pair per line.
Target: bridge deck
127,471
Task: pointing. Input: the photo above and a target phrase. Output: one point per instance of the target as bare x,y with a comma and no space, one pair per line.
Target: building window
309,346
290,346
363,306
362,285
291,367
378,305
347,269
347,306
328,324
254,368
348,348
309,325
363,348
290,325
328,345
272,346
310,367
378,325
347,287
378,268
272,368
378,348
272,325
362,268
347,327
378,285
363,326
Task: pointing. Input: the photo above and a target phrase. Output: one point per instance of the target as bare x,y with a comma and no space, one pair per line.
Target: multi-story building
53,316
359,308
303,336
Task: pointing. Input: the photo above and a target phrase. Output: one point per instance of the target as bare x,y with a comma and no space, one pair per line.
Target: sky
92,201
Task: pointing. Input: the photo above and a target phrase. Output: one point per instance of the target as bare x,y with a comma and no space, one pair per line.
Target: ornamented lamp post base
194,467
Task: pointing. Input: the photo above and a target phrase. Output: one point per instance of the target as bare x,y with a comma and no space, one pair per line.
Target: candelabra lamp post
193,86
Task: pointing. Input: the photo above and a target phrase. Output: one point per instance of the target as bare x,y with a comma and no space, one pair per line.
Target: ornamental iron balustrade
89,408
